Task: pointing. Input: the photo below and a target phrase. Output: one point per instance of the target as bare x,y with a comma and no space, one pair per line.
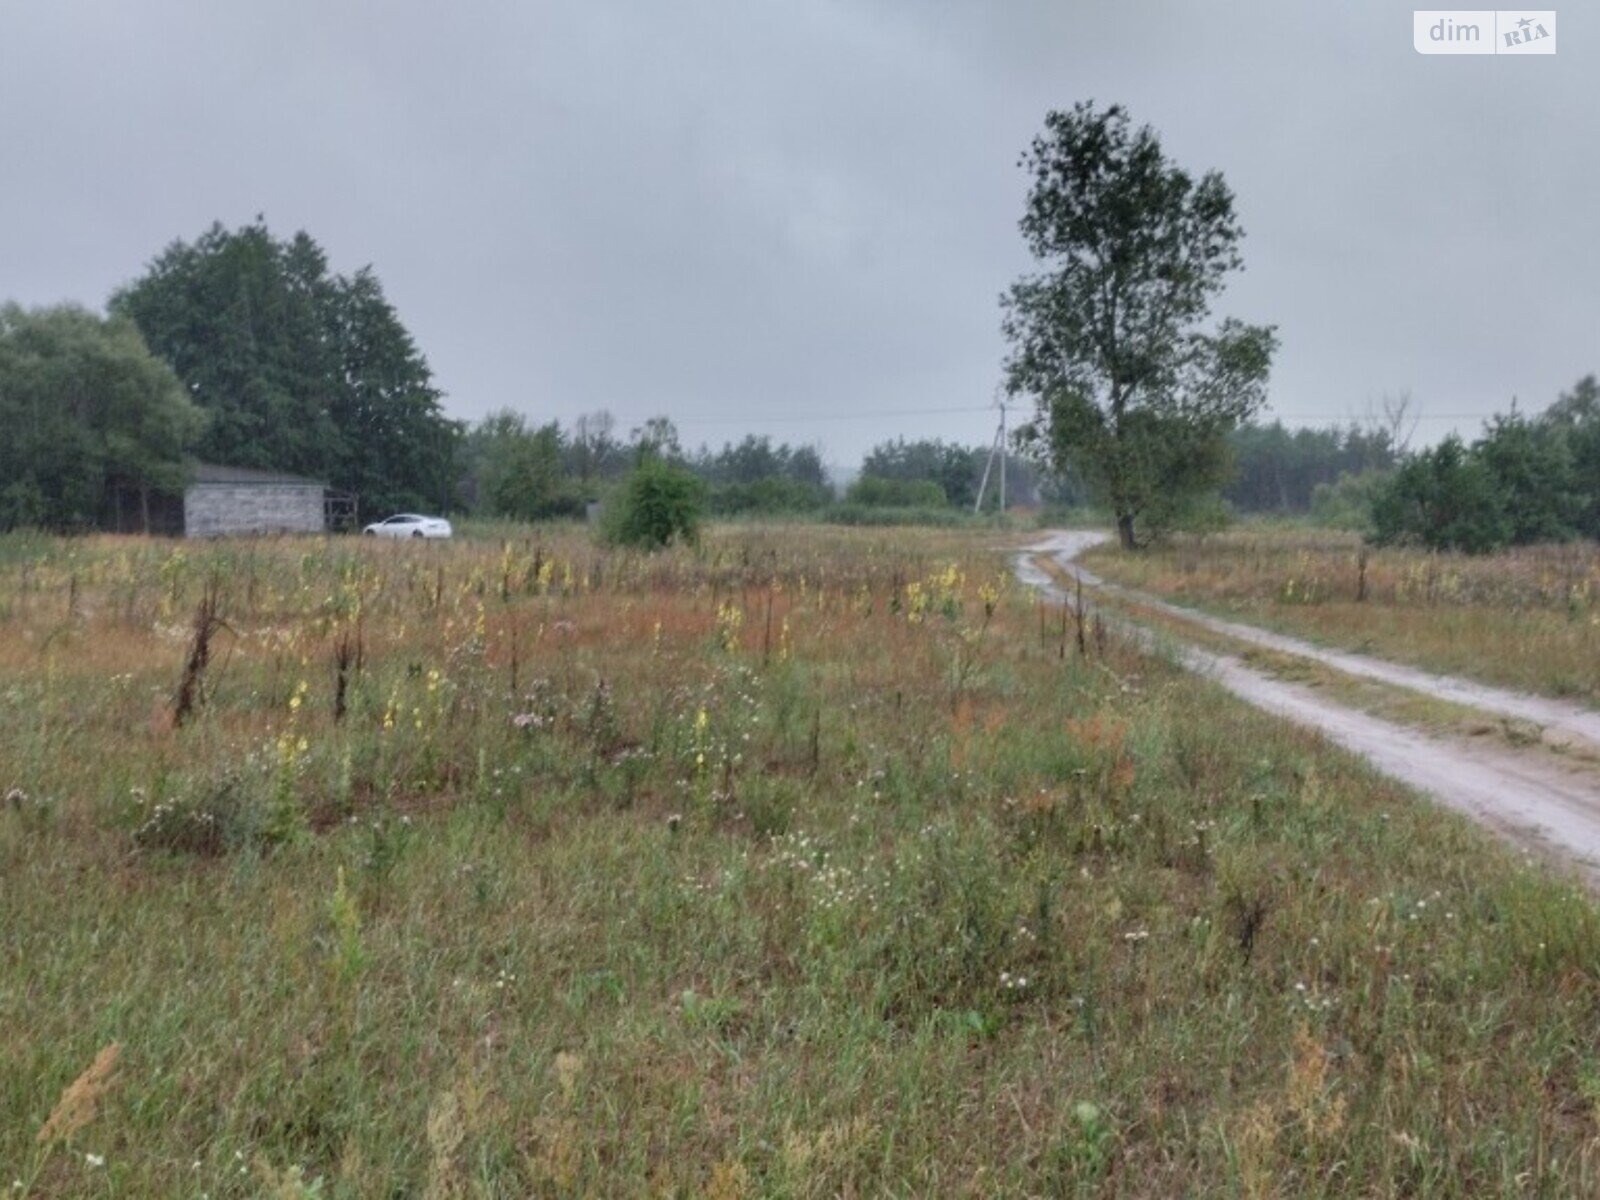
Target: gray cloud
788,217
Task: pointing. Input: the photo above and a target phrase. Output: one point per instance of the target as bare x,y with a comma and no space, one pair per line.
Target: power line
856,415
1352,419
885,414
889,413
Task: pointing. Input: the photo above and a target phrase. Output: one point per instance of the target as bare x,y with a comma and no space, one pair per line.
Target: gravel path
1531,796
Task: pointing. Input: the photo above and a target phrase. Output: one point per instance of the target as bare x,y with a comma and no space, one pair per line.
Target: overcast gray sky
794,218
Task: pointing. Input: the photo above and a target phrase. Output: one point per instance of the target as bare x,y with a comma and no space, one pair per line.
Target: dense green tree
1576,416
593,451
516,471
657,504
1525,480
756,458
1106,336
300,369
656,438
89,414
1532,469
757,475
396,449
1443,499
953,468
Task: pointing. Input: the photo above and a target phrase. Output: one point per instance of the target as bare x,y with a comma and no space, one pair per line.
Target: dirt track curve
1530,796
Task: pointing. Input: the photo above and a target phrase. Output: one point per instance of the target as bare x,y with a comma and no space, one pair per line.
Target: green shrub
213,816
1347,502
656,505
774,495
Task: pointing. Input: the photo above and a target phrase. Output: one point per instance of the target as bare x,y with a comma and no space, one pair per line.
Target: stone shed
242,500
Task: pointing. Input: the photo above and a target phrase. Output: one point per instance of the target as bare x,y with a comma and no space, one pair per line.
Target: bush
876,492
1347,502
653,507
774,495
211,817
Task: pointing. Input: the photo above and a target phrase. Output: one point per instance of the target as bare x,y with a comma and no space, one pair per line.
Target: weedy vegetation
797,862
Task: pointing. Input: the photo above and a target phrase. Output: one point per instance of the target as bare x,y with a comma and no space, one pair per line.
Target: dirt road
1530,796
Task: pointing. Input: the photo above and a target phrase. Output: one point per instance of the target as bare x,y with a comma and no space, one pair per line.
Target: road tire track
1531,797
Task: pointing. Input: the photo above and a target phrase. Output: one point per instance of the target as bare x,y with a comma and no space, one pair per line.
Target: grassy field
1527,619
811,863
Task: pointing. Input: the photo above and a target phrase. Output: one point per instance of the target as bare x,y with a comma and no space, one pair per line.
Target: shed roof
213,473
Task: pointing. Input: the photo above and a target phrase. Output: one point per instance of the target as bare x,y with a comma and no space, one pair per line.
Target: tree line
516,469
244,349
1277,470
1525,479
237,348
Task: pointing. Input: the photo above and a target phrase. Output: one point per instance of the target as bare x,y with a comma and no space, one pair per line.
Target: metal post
988,466
1002,458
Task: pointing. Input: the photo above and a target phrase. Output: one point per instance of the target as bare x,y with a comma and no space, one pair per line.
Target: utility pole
999,447
1002,458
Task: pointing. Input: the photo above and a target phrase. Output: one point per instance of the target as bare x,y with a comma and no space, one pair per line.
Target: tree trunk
1125,531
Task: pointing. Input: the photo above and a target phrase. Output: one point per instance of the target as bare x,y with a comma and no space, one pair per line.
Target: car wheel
417,534
370,532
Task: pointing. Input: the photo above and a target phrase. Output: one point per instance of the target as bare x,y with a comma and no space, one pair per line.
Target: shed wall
215,509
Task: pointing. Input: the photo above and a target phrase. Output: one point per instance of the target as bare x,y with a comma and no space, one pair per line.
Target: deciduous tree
1107,337
86,410
301,370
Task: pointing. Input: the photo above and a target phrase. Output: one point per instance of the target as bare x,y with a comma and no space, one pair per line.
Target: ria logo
1483,31
1527,32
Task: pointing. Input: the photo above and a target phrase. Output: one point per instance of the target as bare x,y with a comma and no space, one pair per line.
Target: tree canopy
1107,337
516,471
1278,470
300,369
1527,479
86,410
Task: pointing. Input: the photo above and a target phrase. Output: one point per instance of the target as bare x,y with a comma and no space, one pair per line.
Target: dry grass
885,895
1527,619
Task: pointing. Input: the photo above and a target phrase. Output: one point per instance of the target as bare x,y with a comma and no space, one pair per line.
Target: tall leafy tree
516,471
656,438
89,414
593,450
1107,337
396,449
301,369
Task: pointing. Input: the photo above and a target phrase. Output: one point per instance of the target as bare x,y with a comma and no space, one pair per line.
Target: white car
409,525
